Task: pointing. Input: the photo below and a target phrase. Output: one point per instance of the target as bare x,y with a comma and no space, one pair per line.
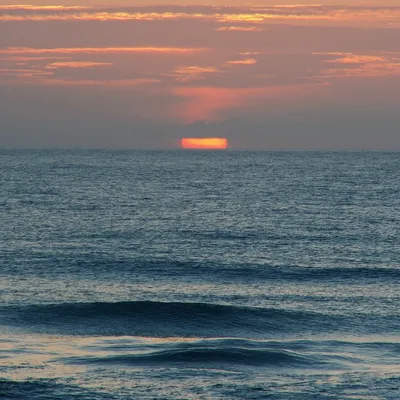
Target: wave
39,389
211,357
161,319
335,273
227,353
107,268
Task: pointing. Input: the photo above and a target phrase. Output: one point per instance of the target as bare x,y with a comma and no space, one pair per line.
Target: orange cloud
247,61
192,72
370,15
21,70
30,58
111,83
362,65
87,50
350,58
37,77
77,64
21,74
26,7
93,14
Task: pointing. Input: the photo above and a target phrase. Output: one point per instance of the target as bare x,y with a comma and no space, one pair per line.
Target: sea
173,274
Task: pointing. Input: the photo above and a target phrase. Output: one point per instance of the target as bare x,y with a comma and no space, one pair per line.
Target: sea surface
199,275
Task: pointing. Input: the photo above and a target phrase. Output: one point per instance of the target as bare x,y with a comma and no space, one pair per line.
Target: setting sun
204,143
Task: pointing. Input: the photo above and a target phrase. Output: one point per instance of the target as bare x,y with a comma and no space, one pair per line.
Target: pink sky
196,2
264,75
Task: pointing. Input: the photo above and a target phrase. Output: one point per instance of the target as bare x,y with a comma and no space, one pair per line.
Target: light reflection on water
81,361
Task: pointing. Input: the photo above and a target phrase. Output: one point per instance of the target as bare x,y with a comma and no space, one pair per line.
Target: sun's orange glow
204,143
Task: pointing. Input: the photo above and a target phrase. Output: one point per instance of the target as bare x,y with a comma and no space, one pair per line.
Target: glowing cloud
192,72
78,64
31,58
26,7
204,143
85,50
361,65
363,13
248,61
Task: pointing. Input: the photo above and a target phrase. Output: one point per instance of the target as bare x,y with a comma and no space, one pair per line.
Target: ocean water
199,275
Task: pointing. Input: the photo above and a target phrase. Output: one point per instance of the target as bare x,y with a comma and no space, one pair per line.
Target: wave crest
159,319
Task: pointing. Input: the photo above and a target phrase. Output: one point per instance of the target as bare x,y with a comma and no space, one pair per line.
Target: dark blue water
199,275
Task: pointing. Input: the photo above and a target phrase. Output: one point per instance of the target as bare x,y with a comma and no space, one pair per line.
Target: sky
263,74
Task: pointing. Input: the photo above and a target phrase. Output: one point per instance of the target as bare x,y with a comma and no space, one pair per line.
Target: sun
204,143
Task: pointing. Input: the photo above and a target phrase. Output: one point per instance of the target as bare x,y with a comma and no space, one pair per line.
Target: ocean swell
203,356
161,319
